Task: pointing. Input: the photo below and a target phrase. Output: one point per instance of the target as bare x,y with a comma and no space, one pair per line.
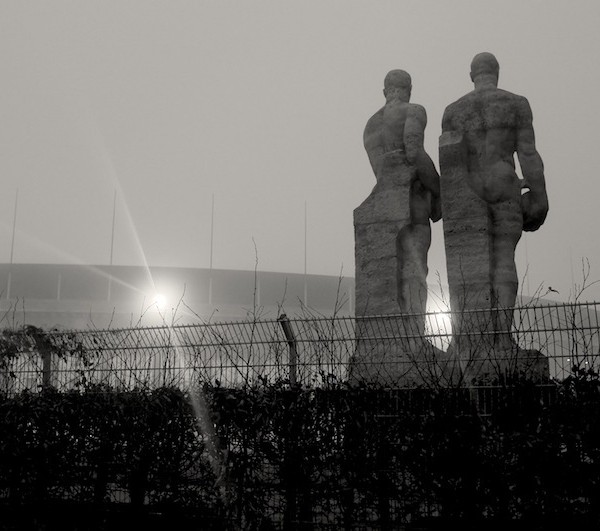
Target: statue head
398,84
485,66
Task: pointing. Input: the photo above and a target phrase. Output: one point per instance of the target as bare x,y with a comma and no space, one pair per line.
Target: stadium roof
78,296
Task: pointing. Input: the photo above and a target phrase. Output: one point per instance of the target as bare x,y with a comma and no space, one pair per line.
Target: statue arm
414,133
534,201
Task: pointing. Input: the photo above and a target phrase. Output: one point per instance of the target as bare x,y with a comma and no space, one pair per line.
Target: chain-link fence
311,352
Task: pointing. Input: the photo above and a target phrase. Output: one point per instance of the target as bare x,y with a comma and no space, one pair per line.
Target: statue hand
535,208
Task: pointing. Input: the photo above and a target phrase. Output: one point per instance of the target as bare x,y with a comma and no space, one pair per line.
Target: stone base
505,367
403,363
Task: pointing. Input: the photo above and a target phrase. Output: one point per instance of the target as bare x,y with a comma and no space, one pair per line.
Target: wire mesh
247,352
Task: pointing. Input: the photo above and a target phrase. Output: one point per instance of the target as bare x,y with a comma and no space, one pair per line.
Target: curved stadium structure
68,296
82,297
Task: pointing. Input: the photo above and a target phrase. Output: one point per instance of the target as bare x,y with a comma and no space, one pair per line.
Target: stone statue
392,238
486,206
393,139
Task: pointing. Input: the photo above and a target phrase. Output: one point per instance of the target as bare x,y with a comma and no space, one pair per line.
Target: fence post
286,325
46,367
44,349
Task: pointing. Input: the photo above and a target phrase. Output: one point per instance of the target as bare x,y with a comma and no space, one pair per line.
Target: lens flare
160,301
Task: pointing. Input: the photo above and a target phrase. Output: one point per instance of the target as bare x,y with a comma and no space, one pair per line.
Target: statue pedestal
467,233
378,222
389,353
507,366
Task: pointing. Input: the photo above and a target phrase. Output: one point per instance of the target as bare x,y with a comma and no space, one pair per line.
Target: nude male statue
394,136
486,205
392,238
495,124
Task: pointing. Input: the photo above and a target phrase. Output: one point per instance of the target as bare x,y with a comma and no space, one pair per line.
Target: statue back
489,120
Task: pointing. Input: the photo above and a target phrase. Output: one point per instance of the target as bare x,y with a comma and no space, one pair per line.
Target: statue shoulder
374,123
372,134
454,111
518,102
450,112
417,112
510,95
517,106
525,116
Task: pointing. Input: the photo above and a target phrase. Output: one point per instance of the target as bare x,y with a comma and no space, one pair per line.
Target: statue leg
510,357
507,223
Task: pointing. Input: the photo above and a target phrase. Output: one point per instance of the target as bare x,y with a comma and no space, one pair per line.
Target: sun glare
160,301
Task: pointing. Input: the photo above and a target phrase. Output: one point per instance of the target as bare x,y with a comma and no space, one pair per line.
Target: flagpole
112,245
12,245
305,253
112,235
212,234
212,230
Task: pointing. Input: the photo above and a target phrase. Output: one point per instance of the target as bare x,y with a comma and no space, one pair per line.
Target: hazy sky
263,104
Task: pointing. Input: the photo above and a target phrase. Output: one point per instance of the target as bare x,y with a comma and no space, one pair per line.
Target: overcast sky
263,104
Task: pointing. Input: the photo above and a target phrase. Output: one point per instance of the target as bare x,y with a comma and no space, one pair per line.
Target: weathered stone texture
378,222
391,348
392,237
484,215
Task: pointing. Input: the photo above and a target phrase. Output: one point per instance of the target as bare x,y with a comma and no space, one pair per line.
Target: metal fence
310,352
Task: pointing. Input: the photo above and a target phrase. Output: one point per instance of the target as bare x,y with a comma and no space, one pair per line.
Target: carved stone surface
392,238
484,215
381,223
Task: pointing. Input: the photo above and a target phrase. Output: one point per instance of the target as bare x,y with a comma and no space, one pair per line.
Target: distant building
67,296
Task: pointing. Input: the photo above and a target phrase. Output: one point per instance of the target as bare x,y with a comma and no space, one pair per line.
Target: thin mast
12,245
112,245
112,235
212,234
305,253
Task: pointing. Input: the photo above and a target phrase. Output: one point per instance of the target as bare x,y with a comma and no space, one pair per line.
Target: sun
160,301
